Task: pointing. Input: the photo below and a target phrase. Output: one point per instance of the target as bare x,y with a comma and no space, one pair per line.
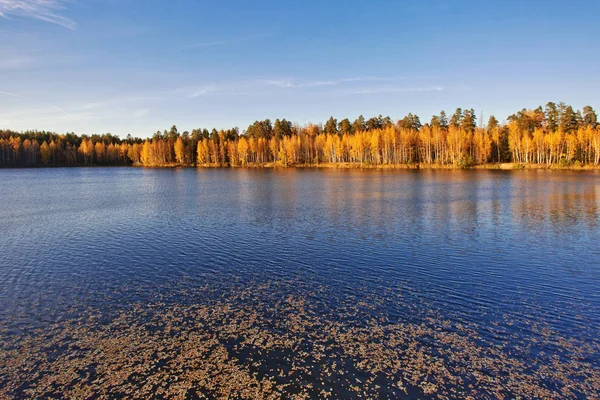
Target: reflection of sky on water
503,252
476,245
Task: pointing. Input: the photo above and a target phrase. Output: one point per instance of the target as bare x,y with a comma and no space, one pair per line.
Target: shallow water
506,253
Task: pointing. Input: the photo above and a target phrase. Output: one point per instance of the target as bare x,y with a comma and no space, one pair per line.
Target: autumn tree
45,153
179,150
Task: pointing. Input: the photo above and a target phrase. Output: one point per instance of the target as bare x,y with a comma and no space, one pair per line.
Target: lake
184,283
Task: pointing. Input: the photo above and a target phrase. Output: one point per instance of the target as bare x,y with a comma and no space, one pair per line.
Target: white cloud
114,102
397,90
222,42
203,44
12,94
44,10
354,85
15,63
197,92
52,106
141,113
259,85
295,85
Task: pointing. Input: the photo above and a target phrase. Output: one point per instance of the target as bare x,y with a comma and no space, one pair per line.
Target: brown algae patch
262,342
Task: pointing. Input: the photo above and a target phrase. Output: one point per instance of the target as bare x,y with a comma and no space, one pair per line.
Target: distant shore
497,166
345,165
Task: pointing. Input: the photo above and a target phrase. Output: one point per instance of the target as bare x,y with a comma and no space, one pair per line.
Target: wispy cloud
295,84
201,91
141,105
203,44
44,10
12,94
36,101
352,85
221,42
140,113
396,90
116,101
14,63
47,114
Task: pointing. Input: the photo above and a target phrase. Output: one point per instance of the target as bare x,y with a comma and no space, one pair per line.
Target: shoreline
416,166
358,166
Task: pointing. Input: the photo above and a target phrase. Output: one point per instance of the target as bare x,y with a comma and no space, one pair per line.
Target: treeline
554,134
41,148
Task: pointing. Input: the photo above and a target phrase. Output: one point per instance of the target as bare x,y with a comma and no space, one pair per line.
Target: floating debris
265,341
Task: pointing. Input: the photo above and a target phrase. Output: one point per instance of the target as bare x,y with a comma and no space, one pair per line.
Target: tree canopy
555,133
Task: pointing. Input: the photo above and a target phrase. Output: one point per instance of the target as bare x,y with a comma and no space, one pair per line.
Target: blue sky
133,66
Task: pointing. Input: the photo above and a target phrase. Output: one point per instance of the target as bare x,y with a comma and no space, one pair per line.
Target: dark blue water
476,247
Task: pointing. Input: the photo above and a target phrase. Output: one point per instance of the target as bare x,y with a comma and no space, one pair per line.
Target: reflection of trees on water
416,204
559,202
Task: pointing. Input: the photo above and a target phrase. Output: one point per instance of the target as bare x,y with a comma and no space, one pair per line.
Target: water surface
508,254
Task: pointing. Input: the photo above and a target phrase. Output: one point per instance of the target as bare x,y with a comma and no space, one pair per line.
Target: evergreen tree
456,118
359,124
568,120
469,121
590,118
331,126
443,120
552,117
344,127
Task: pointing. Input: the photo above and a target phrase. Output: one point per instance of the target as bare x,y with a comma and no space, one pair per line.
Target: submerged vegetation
269,341
555,135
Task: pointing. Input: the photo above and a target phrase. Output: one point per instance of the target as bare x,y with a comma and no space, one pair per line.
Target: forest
553,135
